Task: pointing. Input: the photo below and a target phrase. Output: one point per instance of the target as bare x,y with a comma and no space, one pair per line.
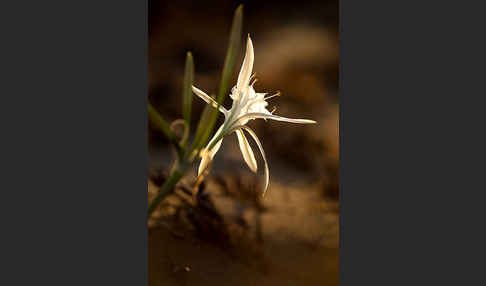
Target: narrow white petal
203,165
246,151
252,133
208,99
209,154
246,68
256,115
208,157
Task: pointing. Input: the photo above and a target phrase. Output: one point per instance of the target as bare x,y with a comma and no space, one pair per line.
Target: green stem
166,189
223,133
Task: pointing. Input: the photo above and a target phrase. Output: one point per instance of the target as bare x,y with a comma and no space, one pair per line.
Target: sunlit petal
208,99
246,68
257,115
252,133
246,151
208,155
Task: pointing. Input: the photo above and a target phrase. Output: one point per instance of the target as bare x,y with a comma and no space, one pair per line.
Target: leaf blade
202,130
162,125
209,117
234,46
187,97
187,89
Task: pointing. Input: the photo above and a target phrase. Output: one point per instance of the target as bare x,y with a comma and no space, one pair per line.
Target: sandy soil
298,242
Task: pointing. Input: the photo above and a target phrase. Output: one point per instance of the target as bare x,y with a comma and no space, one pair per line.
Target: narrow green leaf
234,45
202,128
208,119
187,90
162,125
187,96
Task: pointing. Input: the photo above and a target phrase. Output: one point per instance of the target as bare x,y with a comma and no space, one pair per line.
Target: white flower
247,105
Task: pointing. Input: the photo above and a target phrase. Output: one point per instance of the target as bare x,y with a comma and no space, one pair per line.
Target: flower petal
252,133
207,155
256,115
246,68
246,151
208,99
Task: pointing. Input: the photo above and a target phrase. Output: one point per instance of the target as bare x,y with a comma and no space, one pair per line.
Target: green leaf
234,46
162,125
187,89
202,130
187,96
208,119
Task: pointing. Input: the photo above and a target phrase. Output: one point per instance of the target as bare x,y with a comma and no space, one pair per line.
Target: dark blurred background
296,52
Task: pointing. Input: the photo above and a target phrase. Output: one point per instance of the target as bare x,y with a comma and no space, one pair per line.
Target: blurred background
232,236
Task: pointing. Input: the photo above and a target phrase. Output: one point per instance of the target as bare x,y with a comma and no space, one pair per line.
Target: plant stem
166,189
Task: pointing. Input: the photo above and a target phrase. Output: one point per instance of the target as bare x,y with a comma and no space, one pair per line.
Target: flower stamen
273,95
